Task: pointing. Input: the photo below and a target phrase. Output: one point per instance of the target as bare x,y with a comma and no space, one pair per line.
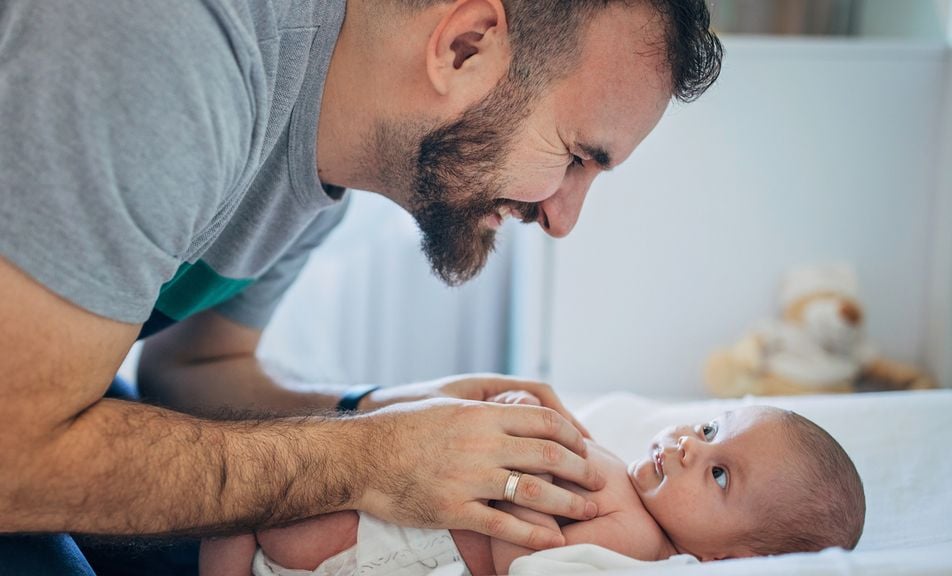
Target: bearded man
166,169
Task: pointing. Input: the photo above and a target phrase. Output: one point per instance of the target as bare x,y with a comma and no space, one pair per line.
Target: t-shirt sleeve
123,127
254,306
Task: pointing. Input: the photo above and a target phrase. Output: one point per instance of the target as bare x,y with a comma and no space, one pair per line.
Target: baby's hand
516,397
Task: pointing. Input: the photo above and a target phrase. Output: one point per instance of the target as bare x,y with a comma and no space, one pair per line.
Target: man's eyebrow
598,154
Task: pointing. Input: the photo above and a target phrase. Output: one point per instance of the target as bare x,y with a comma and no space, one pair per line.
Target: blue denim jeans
51,554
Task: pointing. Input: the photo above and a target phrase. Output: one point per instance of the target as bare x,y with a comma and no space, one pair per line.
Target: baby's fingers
498,524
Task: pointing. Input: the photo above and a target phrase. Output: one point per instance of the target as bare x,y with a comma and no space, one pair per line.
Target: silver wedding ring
509,495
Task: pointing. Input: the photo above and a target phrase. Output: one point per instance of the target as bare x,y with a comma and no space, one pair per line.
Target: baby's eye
720,476
709,431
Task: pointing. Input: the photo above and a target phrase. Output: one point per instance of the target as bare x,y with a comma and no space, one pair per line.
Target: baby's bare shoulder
623,524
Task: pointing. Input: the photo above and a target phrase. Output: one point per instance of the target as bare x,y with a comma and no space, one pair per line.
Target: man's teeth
503,212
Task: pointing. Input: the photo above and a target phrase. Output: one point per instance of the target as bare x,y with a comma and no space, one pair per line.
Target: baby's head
753,482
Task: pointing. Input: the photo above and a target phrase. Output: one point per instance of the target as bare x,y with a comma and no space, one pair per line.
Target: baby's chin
643,476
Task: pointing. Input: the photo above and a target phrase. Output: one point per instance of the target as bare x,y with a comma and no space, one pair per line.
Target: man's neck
343,116
370,78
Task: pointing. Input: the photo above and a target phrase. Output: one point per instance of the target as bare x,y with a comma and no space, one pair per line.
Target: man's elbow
24,450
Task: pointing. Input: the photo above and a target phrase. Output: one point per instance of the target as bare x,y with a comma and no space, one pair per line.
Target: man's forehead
619,90
606,130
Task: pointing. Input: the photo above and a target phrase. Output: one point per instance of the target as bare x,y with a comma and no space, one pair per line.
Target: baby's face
706,483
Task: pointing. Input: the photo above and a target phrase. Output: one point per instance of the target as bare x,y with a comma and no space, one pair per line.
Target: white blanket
581,558
934,560
899,442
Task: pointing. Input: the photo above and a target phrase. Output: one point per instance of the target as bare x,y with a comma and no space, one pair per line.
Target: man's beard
455,182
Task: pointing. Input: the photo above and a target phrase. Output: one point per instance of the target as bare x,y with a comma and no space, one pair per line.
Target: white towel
581,558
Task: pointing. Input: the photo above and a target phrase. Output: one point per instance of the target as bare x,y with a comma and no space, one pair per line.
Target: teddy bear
817,345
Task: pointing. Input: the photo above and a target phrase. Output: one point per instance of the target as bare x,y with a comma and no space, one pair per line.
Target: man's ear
468,51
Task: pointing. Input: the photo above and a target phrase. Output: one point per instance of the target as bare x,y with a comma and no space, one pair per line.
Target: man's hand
439,462
516,397
483,387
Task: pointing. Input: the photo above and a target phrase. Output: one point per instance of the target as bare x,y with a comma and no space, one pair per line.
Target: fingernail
591,510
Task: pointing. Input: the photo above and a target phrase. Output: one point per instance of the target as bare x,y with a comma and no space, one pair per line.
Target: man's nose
560,211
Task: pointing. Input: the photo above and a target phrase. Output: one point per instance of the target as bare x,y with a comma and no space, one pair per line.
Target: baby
754,481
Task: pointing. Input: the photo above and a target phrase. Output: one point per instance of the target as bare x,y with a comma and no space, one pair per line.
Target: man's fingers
550,399
544,456
537,494
516,397
480,443
578,425
498,524
538,422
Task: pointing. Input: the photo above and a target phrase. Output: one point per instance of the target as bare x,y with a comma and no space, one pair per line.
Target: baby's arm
624,532
504,552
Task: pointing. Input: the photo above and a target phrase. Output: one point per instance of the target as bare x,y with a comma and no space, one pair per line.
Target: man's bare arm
72,461
208,362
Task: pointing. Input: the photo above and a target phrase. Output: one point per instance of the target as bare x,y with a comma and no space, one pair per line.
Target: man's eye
709,431
577,160
720,476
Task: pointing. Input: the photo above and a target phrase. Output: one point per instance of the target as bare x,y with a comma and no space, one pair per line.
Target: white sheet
899,442
586,558
934,560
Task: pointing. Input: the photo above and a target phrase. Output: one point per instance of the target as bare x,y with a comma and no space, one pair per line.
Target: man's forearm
241,384
125,468
208,363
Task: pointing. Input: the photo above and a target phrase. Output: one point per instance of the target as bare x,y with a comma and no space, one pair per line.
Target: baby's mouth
658,456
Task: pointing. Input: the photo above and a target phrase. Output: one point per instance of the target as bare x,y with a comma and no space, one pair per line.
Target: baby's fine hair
822,505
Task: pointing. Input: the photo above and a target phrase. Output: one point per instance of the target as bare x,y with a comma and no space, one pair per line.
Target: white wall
946,11
807,151
939,329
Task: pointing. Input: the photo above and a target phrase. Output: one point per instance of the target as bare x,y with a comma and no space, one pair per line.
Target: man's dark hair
545,36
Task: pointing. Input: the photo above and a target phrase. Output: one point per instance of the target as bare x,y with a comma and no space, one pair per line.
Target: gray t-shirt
158,158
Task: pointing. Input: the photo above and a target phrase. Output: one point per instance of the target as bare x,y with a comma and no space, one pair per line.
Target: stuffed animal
817,345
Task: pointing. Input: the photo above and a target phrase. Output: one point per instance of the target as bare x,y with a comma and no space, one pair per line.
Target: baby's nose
685,448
